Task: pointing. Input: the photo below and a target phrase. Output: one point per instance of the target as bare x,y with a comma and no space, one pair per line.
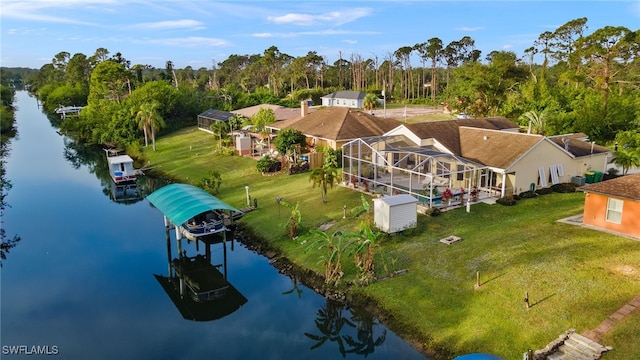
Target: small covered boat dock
180,203
198,288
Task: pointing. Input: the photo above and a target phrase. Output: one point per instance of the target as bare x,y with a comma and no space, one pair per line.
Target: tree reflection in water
7,132
296,288
331,324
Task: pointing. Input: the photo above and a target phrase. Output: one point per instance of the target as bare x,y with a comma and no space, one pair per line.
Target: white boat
121,168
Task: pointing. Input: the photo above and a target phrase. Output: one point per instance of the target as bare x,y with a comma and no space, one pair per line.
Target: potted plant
474,193
354,181
447,195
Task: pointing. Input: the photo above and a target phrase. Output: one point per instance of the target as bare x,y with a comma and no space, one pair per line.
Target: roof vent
566,144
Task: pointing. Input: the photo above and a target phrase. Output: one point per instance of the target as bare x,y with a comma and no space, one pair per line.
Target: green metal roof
181,202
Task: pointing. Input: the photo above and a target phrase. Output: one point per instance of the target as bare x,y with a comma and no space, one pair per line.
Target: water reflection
196,286
335,327
94,159
125,193
7,132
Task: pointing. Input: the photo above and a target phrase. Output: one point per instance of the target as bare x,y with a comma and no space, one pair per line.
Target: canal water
82,283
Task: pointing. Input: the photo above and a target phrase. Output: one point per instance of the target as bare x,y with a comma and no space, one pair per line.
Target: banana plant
331,247
293,223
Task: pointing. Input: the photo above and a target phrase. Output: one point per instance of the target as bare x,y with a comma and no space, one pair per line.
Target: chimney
304,108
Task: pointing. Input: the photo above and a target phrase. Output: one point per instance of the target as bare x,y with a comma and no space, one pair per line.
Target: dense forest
579,82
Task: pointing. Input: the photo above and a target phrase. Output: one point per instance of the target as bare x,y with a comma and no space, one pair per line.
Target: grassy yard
574,276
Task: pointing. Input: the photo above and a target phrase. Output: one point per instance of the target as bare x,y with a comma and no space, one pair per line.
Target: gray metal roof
355,95
218,115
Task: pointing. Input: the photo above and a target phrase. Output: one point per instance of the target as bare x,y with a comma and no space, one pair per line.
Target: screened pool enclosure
393,164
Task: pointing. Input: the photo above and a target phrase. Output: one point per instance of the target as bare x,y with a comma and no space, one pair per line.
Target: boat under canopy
181,202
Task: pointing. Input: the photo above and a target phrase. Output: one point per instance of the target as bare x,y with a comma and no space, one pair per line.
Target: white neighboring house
350,99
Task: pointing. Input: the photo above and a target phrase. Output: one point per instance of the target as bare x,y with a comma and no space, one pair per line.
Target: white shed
395,213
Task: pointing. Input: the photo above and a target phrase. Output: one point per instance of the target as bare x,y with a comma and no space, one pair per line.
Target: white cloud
192,41
315,33
507,46
469,28
332,17
350,42
41,10
170,24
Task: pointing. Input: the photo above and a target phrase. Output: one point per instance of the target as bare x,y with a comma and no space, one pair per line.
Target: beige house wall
402,130
544,155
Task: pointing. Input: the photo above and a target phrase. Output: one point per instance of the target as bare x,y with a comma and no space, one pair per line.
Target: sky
202,33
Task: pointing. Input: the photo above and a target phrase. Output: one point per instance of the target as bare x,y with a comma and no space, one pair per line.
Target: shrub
564,188
212,182
506,201
527,194
544,191
225,151
299,168
433,211
267,164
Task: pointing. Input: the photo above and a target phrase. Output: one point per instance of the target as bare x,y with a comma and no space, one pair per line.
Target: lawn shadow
541,300
493,278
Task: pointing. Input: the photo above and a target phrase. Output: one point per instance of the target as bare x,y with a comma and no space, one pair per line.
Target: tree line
584,83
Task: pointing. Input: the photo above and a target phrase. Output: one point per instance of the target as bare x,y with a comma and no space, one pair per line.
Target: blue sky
197,33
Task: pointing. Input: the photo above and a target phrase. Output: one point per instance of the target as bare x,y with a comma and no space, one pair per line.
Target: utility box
243,145
395,213
578,180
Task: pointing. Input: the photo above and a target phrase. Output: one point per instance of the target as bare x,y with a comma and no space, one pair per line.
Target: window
614,210
460,173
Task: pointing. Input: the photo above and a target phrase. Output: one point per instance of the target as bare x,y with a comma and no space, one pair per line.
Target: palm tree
324,177
627,158
537,121
370,102
150,121
220,129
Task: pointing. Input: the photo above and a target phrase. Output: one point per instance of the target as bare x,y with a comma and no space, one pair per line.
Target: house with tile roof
614,205
348,99
335,126
489,154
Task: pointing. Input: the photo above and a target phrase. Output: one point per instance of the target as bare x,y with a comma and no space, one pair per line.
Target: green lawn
572,274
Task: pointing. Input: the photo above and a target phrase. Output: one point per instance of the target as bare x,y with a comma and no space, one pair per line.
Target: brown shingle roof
339,123
495,148
281,112
576,146
627,186
446,131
